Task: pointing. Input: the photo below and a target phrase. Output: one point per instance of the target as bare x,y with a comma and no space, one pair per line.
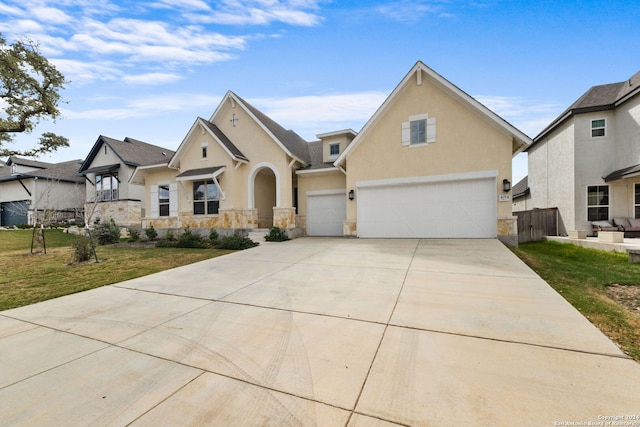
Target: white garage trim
326,192
428,179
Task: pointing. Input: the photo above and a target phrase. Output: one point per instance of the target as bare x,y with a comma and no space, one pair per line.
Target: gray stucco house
587,161
29,188
107,171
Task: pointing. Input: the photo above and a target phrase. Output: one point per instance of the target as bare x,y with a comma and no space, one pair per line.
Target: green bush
82,250
107,232
189,239
236,242
151,233
134,235
213,237
276,234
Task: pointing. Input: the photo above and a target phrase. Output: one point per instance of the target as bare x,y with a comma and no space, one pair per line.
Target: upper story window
598,128
598,203
334,149
107,187
204,150
14,169
419,130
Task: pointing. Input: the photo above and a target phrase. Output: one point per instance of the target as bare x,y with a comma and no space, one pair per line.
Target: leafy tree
29,92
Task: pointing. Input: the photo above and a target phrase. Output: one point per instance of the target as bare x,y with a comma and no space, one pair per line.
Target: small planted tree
107,232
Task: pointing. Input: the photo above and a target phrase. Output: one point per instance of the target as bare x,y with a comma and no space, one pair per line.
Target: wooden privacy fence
534,225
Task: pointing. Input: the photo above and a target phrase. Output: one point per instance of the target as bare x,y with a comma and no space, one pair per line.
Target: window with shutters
163,200
419,130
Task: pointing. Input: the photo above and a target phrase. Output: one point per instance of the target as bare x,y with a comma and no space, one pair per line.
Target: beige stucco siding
465,142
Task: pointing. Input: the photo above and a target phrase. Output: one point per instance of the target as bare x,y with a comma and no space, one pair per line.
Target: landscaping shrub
276,234
236,242
134,235
82,250
214,237
189,239
107,232
151,233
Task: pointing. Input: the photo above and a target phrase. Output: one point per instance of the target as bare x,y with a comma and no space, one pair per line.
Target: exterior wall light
352,194
506,185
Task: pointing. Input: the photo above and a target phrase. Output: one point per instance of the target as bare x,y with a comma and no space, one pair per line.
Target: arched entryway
263,193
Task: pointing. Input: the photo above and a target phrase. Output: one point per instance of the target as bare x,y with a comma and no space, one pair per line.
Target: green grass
27,279
581,276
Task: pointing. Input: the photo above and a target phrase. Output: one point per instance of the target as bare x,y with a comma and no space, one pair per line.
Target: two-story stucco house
587,161
431,162
29,188
107,171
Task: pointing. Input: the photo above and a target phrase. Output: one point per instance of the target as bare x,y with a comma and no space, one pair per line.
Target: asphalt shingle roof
64,171
131,152
224,139
598,98
291,140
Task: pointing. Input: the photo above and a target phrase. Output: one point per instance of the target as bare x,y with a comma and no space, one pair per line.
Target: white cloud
51,15
261,12
150,106
310,115
151,78
410,11
529,117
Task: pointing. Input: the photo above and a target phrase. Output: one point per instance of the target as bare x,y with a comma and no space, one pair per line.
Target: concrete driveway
317,332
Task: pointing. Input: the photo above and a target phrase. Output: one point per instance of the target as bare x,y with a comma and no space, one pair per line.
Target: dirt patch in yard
626,296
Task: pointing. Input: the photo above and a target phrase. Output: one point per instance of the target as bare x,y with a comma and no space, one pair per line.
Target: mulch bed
626,296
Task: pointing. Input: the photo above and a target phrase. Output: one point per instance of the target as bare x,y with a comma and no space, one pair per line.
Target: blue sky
147,69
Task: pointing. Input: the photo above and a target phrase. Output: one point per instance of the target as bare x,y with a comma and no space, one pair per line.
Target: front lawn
27,278
587,278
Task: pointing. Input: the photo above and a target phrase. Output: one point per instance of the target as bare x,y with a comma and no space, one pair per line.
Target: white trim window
636,201
107,187
598,128
204,146
419,130
334,150
598,203
206,198
164,200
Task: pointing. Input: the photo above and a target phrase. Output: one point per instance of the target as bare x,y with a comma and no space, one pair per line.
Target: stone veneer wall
126,213
508,231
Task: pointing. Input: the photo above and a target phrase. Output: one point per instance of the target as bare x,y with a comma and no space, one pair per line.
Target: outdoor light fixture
506,185
351,194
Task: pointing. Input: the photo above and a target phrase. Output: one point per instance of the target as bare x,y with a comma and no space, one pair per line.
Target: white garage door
423,208
326,211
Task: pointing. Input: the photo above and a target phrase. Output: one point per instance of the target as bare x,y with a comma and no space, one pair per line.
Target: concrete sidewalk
317,332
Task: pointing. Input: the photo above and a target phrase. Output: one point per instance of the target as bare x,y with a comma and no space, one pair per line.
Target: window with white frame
163,200
107,187
598,128
598,203
206,198
334,150
419,130
204,150
636,201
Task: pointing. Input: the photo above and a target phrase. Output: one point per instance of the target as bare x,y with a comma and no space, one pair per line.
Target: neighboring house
107,170
522,195
431,162
587,161
29,188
